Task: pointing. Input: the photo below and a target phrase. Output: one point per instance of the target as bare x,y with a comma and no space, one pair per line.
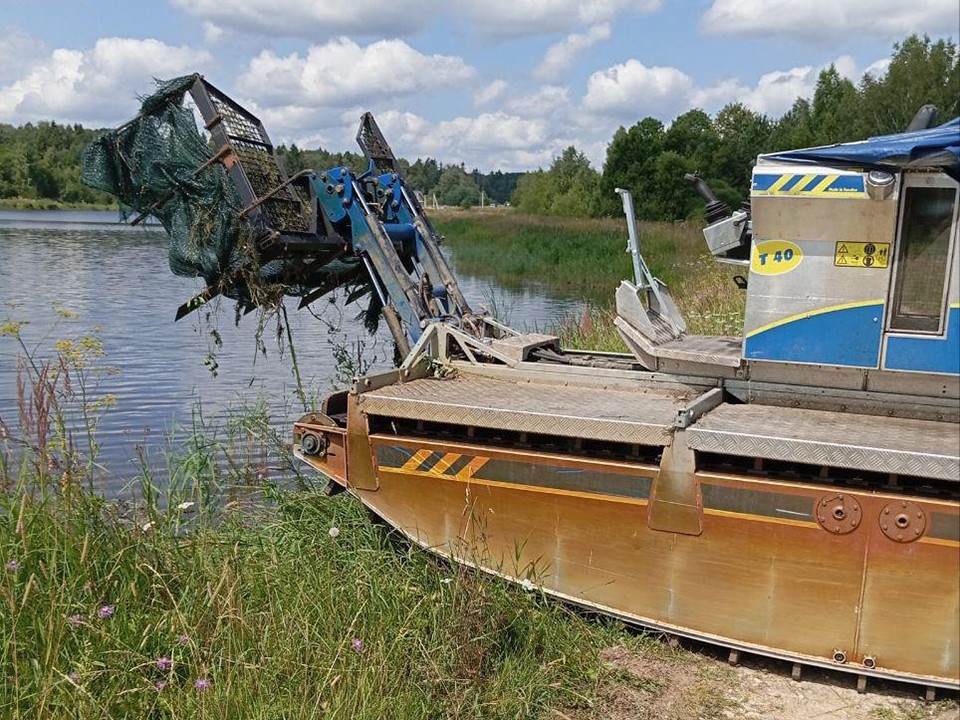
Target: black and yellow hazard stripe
539,473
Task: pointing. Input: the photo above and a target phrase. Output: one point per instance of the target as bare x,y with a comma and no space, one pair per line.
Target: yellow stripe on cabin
784,179
811,313
822,186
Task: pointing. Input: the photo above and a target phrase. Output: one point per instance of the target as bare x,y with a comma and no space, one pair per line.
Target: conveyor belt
864,442
642,417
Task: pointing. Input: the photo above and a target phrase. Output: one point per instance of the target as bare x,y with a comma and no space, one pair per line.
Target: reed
587,258
224,584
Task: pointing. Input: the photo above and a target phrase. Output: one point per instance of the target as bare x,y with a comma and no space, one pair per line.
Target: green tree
921,72
568,188
457,188
743,135
836,109
630,164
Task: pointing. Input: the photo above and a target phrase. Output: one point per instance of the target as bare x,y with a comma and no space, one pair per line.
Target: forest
40,163
651,159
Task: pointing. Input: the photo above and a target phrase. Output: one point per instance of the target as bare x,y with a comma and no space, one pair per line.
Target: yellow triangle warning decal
841,260
843,249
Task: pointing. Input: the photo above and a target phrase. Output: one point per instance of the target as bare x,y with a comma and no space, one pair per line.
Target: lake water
116,278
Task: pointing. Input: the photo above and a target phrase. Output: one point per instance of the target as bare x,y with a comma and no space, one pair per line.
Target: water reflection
116,279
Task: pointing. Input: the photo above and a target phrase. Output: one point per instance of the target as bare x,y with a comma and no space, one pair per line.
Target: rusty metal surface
903,521
882,444
361,475
643,417
839,513
763,575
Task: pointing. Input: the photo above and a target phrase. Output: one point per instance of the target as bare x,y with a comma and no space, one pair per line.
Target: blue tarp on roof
937,147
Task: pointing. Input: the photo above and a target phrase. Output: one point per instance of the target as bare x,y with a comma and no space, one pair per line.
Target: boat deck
864,442
644,417
648,416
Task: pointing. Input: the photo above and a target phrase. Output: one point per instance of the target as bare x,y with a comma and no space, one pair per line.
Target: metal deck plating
645,418
817,437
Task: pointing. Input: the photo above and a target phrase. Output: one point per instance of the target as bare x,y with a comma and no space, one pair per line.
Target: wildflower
185,506
447,581
202,684
183,639
527,585
106,612
164,663
73,677
12,565
75,620
357,644
160,685
334,531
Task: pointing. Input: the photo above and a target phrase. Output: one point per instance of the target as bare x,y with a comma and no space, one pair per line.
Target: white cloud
212,33
878,68
548,100
531,17
97,86
633,90
488,93
313,19
323,19
775,92
822,22
489,140
561,55
342,73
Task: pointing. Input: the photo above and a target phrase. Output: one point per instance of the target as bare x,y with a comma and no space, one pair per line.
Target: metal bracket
698,407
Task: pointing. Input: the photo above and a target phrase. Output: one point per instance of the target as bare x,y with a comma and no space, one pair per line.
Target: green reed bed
586,258
228,587
298,610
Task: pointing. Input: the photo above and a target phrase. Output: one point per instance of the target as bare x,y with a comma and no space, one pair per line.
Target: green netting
159,164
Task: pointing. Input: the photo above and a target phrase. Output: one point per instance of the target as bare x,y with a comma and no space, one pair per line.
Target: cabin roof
934,148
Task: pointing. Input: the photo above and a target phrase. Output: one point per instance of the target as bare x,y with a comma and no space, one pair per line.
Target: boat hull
761,575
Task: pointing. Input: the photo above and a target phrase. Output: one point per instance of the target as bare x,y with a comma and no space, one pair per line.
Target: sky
494,84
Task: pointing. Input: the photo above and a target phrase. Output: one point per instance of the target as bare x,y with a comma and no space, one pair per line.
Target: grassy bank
586,258
212,591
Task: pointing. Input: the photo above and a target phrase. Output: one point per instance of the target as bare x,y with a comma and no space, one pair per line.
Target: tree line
42,161
650,159
451,185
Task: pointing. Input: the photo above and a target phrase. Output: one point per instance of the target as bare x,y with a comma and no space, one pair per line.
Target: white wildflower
334,531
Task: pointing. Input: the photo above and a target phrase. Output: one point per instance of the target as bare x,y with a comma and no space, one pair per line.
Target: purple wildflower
160,684
164,664
183,639
202,684
357,644
75,620
12,565
106,612
73,677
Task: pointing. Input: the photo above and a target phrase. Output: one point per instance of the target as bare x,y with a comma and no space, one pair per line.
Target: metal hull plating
729,555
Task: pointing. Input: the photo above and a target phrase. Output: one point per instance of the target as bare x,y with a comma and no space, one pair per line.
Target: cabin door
923,315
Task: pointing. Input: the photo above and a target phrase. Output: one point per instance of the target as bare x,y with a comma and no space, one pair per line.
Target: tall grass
587,258
192,601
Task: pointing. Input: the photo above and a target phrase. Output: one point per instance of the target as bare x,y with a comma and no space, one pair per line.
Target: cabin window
923,257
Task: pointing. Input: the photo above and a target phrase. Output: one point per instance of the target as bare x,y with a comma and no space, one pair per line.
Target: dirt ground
669,683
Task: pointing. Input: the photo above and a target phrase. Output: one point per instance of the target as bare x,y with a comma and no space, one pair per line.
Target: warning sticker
862,255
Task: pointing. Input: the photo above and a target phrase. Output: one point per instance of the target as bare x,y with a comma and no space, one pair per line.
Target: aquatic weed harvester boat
793,493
